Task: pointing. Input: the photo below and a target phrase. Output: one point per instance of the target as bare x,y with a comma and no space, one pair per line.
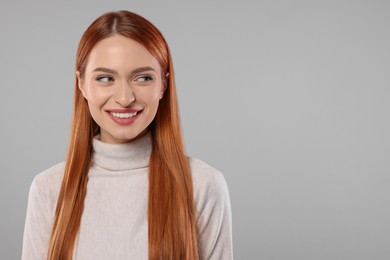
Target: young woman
127,189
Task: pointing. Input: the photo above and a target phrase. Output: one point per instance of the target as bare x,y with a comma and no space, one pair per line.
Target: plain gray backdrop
288,99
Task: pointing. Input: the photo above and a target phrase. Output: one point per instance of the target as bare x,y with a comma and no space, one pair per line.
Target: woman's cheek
99,95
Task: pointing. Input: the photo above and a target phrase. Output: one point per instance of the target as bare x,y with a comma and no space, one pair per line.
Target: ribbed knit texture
114,224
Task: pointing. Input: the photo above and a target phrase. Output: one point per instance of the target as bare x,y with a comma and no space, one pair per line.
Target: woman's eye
104,79
144,78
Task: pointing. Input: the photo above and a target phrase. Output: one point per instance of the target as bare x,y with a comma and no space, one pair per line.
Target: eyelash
110,79
145,77
100,77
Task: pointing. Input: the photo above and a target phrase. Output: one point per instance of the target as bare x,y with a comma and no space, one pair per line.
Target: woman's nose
124,95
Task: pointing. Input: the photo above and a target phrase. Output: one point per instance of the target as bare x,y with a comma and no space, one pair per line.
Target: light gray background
289,99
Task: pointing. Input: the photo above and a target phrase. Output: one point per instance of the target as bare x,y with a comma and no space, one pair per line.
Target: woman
126,189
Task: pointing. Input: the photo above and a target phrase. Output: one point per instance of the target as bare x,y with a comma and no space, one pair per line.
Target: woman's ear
165,85
80,84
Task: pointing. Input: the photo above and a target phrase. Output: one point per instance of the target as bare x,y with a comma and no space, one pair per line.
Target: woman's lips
124,116
123,110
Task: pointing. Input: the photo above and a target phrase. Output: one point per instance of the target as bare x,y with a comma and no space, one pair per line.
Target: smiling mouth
124,115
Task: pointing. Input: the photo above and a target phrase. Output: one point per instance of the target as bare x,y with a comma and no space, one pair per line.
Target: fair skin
123,86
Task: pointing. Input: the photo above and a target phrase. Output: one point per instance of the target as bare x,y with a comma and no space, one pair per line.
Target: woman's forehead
120,53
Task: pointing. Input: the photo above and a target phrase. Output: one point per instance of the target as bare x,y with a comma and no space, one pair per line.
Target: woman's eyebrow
142,69
106,70
134,71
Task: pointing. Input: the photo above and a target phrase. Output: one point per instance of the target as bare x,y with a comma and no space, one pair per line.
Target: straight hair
172,230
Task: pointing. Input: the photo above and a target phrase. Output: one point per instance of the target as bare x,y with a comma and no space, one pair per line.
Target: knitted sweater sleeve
215,220
37,226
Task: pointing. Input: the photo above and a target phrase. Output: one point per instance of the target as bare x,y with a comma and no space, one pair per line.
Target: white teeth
123,115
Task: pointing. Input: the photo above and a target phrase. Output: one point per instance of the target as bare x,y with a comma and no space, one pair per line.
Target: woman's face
123,86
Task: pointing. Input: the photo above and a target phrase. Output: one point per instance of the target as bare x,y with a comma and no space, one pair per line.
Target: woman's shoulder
51,174
206,177
49,180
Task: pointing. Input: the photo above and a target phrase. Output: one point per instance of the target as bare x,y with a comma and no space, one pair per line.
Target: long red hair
171,209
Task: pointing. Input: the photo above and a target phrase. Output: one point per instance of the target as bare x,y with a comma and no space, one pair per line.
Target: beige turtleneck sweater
114,222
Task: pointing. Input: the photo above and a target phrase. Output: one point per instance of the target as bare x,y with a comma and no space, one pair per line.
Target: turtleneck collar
121,157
